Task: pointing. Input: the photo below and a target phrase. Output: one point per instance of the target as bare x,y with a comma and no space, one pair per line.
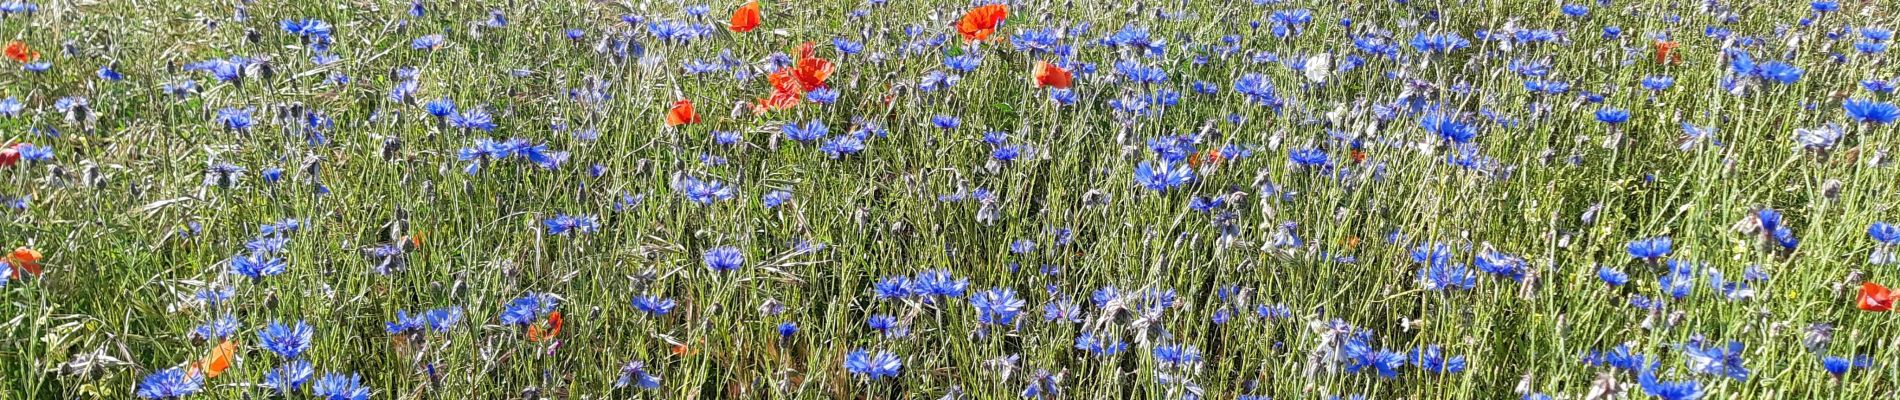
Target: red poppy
1050,75
1666,52
9,156
536,334
1205,157
1874,297
26,259
980,22
746,18
790,84
219,360
18,51
681,114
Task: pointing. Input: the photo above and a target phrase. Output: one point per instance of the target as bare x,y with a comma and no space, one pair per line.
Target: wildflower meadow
916,199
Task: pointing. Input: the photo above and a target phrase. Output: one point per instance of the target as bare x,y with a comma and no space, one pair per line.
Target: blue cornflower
847,46
340,387
862,363
1360,355
1308,157
1876,34
1063,96
655,305
1612,276
937,80
1442,276
1206,205
938,283
473,119
1432,254
1501,264
107,73
1650,249
403,324
1780,72
442,319
170,383
11,107
1088,342
1036,42
894,287
1684,390
841,146
568,225
441,108
1619,357
1449,127
237,119
428,42
288,341
1838,366
635,373
289,377
1825,6
822,96
1160,176
1063,310
1869,111
217,328
1884,232
1658,82
1258,89
1612,116
527,309
946,122
1716,361
1576,10
965,63
886,325
1177,355
1432,358
257,266
1140,74
1439,44
724,259
1022,246
1007,153
1872,85
705,191
811,131
1679,282
775,198
997,306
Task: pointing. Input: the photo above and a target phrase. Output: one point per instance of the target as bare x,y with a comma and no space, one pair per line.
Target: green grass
118,275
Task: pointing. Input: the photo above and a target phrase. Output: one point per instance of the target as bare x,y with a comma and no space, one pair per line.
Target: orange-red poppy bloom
746,18
18,51
1874,297
1666,52
219,360
536,334
979,23
790,84
24,259
681,114
9,156
1205,157
1050,75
